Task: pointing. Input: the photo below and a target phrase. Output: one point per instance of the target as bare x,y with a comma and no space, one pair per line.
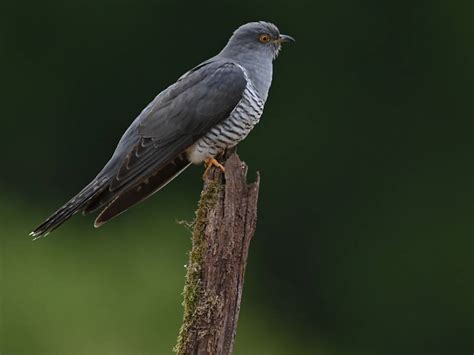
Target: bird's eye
264,38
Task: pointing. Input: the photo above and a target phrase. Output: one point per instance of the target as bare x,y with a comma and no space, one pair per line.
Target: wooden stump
223,227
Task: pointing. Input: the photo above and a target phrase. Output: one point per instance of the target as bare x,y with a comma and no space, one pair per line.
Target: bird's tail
117,203
73,206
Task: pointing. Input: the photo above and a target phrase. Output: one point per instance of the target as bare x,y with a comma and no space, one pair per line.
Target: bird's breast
231,130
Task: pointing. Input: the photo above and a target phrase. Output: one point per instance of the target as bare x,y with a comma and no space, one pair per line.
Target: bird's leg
212,162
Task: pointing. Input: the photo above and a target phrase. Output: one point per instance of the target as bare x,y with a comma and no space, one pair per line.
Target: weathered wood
223,227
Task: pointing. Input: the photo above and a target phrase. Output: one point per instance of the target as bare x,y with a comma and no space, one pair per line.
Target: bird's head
254,41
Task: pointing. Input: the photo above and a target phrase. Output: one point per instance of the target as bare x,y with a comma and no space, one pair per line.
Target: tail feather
97,195
130,197
70,208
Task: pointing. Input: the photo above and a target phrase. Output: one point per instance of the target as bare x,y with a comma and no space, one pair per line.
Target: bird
209,109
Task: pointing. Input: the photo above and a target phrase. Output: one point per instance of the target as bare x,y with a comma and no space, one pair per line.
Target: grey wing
178,117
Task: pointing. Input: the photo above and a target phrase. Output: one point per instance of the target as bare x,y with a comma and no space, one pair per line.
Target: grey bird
210,108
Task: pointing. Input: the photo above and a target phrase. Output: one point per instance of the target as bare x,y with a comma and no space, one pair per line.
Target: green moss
196,303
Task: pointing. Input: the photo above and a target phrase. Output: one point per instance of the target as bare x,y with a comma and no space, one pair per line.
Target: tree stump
223,227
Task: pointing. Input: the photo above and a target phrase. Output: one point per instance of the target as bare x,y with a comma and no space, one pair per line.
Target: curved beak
285,38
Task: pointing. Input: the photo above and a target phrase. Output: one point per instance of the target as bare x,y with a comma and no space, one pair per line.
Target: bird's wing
179,116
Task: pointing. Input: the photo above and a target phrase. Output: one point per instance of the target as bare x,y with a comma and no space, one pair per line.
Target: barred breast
233,129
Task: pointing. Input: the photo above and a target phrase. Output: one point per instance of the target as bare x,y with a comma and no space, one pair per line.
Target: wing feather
178,117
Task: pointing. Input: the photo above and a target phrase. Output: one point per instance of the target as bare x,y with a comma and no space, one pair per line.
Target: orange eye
264,38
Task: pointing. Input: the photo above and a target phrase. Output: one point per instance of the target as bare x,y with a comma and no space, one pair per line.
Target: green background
364,237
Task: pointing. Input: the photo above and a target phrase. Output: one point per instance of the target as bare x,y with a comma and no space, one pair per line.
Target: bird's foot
211,162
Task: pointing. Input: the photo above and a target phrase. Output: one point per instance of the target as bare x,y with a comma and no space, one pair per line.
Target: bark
223,227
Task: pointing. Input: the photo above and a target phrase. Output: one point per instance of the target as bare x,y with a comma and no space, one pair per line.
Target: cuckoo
210,108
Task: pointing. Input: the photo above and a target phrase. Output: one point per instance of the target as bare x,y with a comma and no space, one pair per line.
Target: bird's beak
285,38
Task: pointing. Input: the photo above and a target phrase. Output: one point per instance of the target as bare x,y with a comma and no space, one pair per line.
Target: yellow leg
212,162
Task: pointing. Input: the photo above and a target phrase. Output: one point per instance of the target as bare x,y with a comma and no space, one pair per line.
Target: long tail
97,195
120,202
73,206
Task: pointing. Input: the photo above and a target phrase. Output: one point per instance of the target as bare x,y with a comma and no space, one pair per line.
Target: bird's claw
211,162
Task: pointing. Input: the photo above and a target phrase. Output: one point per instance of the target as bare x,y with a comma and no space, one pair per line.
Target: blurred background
364,237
